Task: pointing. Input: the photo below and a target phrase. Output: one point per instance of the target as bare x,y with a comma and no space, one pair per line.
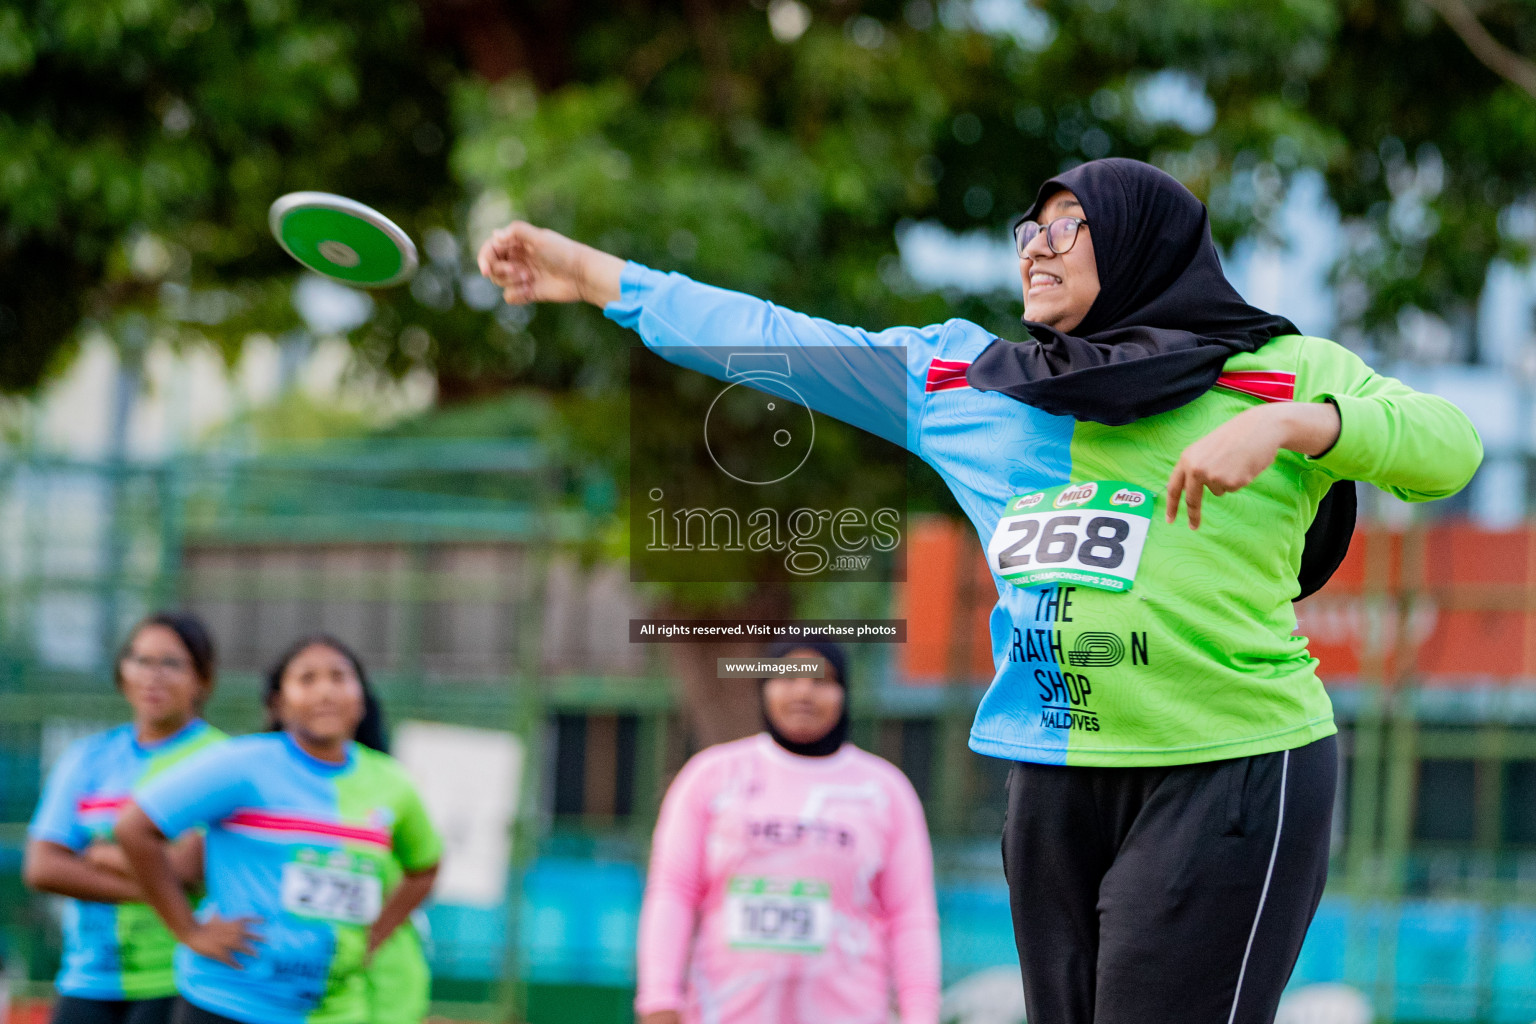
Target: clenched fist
533,264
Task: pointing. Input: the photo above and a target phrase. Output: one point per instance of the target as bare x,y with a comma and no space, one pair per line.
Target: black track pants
191,1013
75,1010
1174,895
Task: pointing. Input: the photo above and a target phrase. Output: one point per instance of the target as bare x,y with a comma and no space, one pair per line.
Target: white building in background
188,391
56,514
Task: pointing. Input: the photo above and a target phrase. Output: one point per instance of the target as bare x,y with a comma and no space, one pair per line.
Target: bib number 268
1091,534
1101,542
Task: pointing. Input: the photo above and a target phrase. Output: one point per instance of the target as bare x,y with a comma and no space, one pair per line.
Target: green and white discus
343,239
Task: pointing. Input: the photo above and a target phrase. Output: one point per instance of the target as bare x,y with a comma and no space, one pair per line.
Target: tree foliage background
141,142
773,148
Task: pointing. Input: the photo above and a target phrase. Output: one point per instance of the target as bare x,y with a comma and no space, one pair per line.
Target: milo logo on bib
1089,533
1077,494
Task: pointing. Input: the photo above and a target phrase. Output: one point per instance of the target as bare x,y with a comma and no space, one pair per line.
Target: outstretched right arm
871,380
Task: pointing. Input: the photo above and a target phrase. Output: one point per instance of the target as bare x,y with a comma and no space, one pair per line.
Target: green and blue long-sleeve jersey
309,848
111,950
1119,639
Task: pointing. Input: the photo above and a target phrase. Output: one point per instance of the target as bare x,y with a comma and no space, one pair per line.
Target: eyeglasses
169,663
1060,234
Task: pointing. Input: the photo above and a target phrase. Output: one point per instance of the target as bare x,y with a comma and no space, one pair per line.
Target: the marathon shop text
1065,694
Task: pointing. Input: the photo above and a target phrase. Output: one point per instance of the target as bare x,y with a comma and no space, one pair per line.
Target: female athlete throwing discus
1167,832
791,877
117,954
302,826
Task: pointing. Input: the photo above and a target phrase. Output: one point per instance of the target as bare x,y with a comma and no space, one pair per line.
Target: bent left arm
1231,456
1418,447
52,867
415,887
186,856
419,850
1354,423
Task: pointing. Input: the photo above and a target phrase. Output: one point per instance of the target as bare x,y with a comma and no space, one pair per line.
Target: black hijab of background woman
371,731
837,660
1164,323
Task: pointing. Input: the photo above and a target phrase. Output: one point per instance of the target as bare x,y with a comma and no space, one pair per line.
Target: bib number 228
331,894
1091,534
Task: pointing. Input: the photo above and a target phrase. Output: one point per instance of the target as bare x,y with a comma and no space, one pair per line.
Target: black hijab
832,653
1164,323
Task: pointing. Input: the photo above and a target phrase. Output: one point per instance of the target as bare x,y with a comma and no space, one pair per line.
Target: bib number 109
1091,534
778,915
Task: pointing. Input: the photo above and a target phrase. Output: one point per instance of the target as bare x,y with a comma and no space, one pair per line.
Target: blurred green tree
141,142
773,146
1436,179
781,151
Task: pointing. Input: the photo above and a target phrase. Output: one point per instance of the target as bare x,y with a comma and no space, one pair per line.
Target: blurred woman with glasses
117,955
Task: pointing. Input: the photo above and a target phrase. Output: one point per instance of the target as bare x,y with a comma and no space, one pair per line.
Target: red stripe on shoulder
946,375
947,385
1269,385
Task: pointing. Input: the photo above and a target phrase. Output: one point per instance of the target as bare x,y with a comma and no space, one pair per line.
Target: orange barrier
1442,605
29,1011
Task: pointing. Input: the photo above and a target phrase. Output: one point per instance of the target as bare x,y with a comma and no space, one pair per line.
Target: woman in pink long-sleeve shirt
791,877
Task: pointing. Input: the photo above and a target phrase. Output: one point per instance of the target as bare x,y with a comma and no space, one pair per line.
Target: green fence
464,571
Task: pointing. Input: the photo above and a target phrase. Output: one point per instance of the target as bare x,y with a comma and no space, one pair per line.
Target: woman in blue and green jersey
398,979
307,834
1154,473
117,954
